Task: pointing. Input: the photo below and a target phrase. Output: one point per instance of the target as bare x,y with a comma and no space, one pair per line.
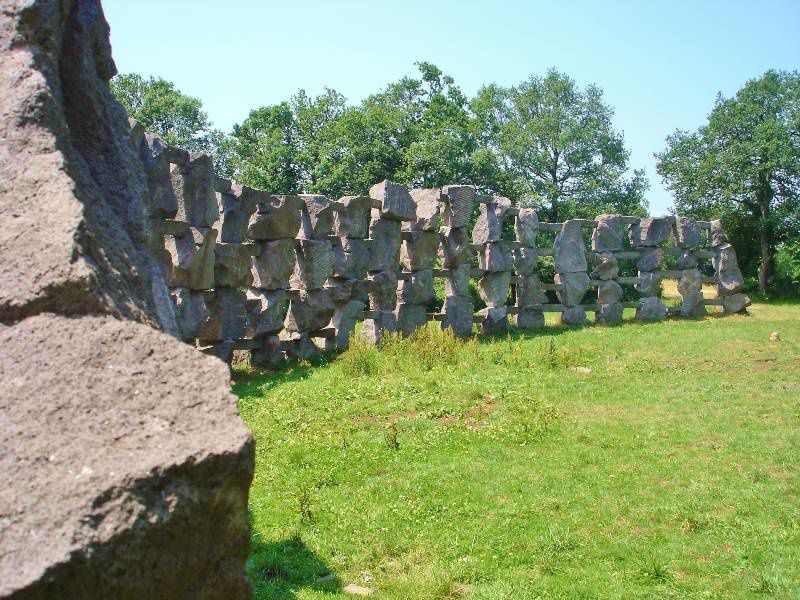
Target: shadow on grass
278,570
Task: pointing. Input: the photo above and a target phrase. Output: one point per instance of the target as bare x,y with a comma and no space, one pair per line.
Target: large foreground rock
126,465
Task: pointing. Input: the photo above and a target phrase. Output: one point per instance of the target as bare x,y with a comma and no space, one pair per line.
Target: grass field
639,461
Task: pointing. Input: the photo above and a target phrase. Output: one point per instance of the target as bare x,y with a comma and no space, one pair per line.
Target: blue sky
660,64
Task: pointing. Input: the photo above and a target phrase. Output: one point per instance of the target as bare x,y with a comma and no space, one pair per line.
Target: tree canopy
745,165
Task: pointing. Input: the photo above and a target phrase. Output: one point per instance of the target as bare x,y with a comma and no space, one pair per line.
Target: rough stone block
685,260
383,290
529,291
494,319
651,309
495,257
525,260
341,290
344,320
275,218
691,281
460,200
574,287
375,328
298,345
236,207
153,154
316,217
729,277
269,354
353,217
609,314
458,312
411,317
427,202
649,283
692,305
361,290
420,251
190,311
273,265
455,248
191,258
418,289
384,245
351,259
266,312
488,227
609,292
232,265
687,232
651,231
526,226
607,236
193,185
457,282
227,315
314,264
141,491
396,202
568,248
493,288
573,315
309,310
735,303
650,259
530,319
717,236
605,266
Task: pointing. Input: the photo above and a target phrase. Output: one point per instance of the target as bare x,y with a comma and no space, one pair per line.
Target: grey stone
384,245
495,257
418,289
526,226
687,232
236,207
428,213
269,354
729,277
353,217
314,264
411,317
651,309
493,288
650,259
568,248
273,265
529,291
574,287
266,311
685,260
609,292
650,231
222,350
693,305
153,154
455,248
735,303
396,202
573,315
691,281
420,251
488,227
609,314
383,290
190,311
232,265
298,345
717,236
607,236
457,281
275,218
649,283
316,217
344,321
530,319
361,290
525,260
193,184
309,310
494,319
460,200
227,315
605,266
191,258
381,323
341,290
458,312
351,259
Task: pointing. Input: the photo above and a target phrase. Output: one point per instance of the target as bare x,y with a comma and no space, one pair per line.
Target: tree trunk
765,268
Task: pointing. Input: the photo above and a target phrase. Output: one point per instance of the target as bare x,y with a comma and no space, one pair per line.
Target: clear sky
660,64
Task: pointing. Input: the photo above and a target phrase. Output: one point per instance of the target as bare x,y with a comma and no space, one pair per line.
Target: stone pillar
569,257
495,261
686,235
393,205
606,240
273,224
727,272
529,293
646,236
456,257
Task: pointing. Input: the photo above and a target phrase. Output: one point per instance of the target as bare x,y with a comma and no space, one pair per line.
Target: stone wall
287,276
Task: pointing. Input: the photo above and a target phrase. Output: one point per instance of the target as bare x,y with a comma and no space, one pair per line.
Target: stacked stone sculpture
456,256
495,262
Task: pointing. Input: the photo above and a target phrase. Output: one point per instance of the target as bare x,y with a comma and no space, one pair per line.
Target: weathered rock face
273,264
411,317
455,248
396,202
275,218
384,245
609,292
460,200
525,260
418,289
651,231
607,236
493,288
651,309
568,251
526,226
419,250
457,282
144,494
727,268
309,311
236,206
529,291
687,232
314,264
266,311
610,314
352,219
573,315
530,319
316,217
351,259
191,258
650,259
458,315
428,213
605,266
495,257
574,287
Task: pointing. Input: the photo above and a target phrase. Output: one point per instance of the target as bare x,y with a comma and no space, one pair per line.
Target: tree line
546,143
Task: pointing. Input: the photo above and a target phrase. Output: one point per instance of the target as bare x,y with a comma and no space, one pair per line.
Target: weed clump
361,359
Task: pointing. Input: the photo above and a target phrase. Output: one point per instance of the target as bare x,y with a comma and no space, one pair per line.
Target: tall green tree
553,144
745,164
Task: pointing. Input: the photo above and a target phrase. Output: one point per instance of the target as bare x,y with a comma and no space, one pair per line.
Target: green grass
504,468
